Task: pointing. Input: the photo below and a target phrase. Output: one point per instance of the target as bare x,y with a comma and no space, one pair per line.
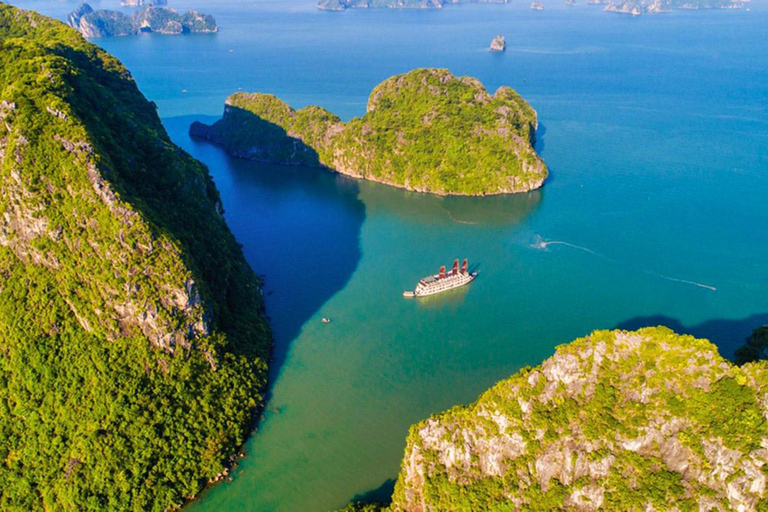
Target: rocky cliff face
73,20
132,341
426,130
644,420
104,23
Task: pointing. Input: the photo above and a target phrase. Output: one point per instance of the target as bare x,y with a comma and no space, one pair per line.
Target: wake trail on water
541,244
684,281
459,221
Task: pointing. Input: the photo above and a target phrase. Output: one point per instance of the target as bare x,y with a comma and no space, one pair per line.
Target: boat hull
422,291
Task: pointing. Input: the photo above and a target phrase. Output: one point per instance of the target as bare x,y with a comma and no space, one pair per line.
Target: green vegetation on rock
425,130
645,420
132,344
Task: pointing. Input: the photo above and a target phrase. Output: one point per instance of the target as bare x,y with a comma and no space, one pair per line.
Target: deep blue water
655,130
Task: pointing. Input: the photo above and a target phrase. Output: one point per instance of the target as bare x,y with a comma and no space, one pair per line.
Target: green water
656,133
346,393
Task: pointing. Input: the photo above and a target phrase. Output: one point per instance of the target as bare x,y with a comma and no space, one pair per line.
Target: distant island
635,7
645,420
499,44
142,3
158,20
425,130
638,7
341,5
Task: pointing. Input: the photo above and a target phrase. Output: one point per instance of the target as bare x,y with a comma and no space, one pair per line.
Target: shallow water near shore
655,130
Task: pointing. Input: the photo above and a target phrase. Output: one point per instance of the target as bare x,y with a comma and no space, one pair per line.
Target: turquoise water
656,133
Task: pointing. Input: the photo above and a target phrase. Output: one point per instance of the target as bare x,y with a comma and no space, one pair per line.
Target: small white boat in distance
326,320
443,281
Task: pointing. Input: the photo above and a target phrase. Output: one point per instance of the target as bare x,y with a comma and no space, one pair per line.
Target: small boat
326,320
443,281
537,6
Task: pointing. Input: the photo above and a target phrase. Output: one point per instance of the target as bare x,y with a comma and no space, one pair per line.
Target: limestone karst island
498,44
134,344
148,19
411,273
426,130
617,421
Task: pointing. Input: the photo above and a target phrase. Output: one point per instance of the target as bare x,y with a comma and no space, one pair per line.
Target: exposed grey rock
499,44
539,431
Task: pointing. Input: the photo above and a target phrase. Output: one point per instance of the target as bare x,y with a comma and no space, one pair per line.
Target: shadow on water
250,136
541,131
727,334
382,494
452,299
432,210
299,227
259,140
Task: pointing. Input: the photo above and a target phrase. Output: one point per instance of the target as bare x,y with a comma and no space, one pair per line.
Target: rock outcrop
499,44
73,20
101,23
644,420
425,130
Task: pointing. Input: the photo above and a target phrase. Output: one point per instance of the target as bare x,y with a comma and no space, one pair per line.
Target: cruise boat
443,281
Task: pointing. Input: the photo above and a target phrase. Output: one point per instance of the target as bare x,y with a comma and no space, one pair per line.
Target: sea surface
655,130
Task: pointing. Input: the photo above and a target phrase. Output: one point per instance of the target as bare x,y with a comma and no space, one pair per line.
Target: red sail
455,267
442,272
464,266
